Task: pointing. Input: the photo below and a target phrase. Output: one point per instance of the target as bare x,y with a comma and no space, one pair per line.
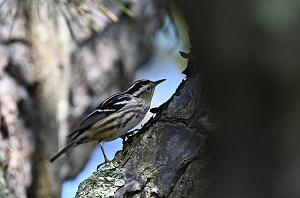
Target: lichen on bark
102,183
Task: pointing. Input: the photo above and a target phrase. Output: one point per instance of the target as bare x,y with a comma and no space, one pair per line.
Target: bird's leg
102,149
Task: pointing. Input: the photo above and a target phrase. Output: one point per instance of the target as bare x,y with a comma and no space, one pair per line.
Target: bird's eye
148,89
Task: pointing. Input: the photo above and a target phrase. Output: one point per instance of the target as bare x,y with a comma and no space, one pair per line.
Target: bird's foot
103,164
128,135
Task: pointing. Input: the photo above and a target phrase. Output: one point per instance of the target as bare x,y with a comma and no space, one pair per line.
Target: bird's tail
57,155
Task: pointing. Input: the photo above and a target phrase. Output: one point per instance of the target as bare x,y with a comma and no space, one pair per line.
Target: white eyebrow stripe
133,85
136,82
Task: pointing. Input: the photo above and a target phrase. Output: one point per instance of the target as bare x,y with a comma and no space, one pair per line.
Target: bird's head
143,88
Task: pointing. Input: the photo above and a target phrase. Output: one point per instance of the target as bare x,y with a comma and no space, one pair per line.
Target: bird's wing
95,116
107,107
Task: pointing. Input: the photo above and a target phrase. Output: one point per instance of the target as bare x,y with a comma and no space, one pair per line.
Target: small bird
114,117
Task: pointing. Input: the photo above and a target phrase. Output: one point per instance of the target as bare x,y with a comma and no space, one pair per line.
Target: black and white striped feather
107,107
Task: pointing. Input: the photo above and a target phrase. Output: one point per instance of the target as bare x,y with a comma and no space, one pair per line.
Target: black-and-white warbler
114,117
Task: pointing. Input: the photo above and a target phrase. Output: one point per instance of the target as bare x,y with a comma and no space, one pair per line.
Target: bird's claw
102,164
128,135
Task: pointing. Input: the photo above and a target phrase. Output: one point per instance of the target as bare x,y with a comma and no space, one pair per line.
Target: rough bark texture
166,158
48,81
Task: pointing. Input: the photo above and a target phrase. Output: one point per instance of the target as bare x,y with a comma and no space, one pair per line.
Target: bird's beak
159,81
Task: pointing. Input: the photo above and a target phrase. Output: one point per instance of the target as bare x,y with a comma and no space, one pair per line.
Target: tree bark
48,81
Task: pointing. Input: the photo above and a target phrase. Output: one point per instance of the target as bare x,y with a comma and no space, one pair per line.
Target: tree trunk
48,81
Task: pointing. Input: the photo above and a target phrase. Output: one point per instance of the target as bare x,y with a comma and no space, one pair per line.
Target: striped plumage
114,117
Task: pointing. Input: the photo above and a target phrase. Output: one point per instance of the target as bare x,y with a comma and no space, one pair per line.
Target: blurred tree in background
58,59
